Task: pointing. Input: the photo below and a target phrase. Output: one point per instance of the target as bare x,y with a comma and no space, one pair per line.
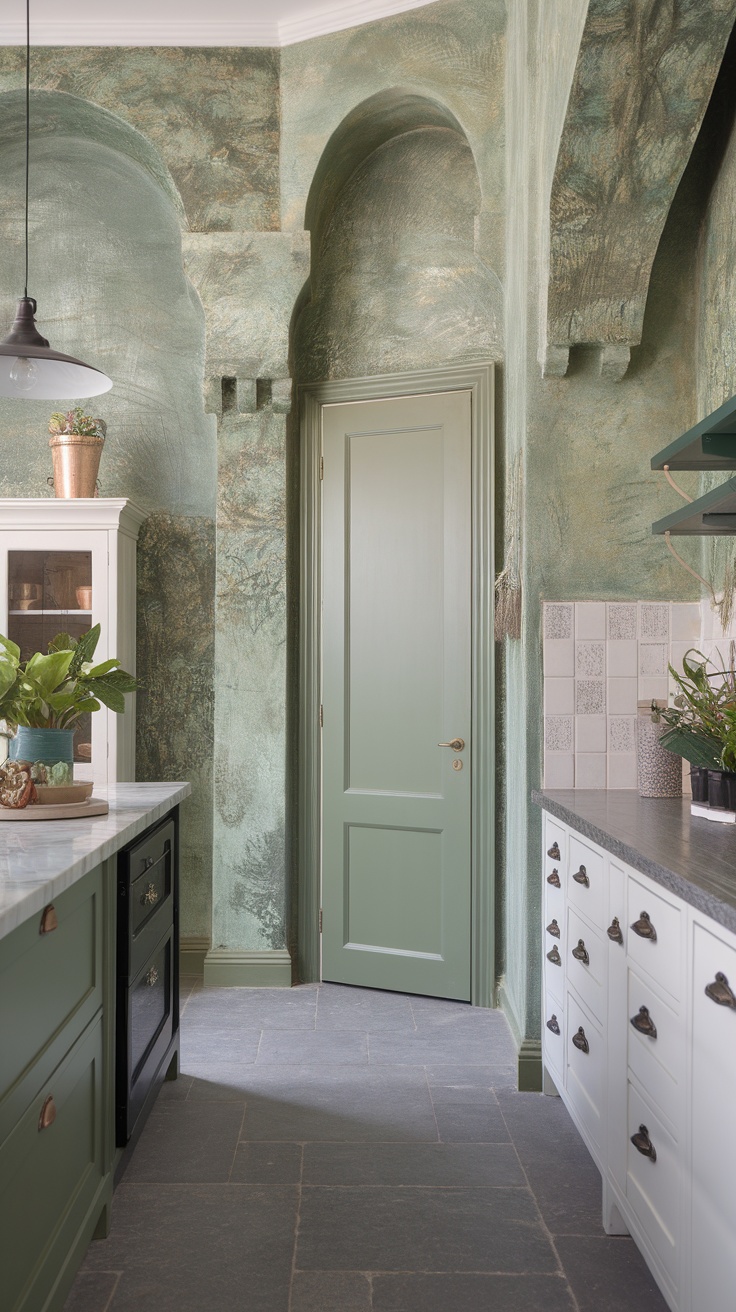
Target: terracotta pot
76,464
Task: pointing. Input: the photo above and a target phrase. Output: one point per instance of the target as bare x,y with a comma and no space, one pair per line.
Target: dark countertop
692,857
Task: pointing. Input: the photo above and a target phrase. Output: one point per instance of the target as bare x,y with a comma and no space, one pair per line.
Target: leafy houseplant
76,446
702,725
76,422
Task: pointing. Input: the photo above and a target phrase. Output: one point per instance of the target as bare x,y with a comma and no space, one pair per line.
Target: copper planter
76,464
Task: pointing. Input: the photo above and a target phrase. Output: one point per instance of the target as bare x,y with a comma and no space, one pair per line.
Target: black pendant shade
29,368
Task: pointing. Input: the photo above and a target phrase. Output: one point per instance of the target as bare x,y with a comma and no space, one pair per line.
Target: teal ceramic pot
52,748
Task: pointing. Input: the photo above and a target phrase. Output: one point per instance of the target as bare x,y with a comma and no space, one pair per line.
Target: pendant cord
28,123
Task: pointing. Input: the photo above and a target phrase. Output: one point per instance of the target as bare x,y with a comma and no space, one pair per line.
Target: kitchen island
60,1007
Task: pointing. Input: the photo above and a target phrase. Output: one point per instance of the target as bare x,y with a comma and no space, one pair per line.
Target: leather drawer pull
643,1022
581,877
581,953
553,1024
48,1113
554,852
554,879
49,920
643,1144
553,929
554,956
580,1042
720,992
614,931
644,927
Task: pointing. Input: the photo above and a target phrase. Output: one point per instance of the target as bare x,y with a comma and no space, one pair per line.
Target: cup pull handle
643,1022
553,929
581,953
48,1113
643,1143
554,956
554,879
581,877
614,931
554,852
580,1041
553,1024
720,992
644,927
49,920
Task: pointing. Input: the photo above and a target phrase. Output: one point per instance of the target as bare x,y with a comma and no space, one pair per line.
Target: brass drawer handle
580,1041
643,1144
150,897
581,877
614,931
644,927
49,920
581,953
554,879
553,929
554,956
553,1024
643,1022
720,992
152,977
48,1113
554,852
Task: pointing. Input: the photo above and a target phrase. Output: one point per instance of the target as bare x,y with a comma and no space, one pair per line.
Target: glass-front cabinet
65,566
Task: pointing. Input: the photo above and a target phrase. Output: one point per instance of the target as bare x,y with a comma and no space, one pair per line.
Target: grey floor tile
469,1121
341,1008
609,1275
330,1291
428,1229
210,1083
471,1293
440,1164
568,1195
267,1163
340,1103
174,1090
92,1291
458,1075
203,1041
182,1249
440,1045
187,1143
296,1047
256,1008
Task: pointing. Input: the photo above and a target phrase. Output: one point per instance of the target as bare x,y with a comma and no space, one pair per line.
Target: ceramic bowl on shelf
25,596
84,598
63,795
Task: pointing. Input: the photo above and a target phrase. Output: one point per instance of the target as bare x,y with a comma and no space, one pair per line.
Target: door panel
396,683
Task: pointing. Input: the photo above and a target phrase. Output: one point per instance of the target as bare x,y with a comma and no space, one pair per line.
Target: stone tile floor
335,1149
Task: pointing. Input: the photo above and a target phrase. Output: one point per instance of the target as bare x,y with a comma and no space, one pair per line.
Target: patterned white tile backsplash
600,659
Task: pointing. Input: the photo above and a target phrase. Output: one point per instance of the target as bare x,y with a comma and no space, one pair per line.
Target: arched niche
395,283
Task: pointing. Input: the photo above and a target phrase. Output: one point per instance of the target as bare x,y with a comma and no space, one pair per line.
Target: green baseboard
193,949
230,968
529,1051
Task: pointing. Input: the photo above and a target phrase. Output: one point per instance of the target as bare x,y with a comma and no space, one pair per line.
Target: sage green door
396,680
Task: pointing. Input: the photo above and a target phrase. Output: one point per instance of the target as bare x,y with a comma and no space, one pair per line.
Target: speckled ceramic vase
659,772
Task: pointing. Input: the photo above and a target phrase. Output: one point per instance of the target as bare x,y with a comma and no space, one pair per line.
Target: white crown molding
107,28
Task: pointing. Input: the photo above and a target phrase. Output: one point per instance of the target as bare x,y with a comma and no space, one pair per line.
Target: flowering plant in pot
702,727
43,699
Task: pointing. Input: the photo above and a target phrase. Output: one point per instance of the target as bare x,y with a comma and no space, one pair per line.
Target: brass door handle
644,927
643,1022
720,992
643,1144
580,1041
614,931
581,877
581,953
457,744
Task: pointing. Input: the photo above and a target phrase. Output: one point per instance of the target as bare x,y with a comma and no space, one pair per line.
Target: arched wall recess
641,85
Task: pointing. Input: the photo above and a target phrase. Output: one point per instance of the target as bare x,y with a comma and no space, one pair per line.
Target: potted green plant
43,699
702,728
76,445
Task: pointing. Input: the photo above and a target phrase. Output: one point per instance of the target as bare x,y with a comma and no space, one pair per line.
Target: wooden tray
57,811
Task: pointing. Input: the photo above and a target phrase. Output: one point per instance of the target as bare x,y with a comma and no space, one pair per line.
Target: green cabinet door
396,646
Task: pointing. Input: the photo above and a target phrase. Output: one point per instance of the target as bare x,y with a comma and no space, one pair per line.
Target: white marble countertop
39,859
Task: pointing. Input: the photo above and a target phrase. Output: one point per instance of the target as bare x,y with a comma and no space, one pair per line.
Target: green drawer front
49,983
50,1179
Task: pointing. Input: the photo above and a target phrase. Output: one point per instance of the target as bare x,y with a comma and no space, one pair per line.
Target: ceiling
187,22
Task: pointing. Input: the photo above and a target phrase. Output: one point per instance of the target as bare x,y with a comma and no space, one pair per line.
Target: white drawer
585,881
553,898
653,1187
554,969
584,1068
553,1038
655,944
656,1061
586,977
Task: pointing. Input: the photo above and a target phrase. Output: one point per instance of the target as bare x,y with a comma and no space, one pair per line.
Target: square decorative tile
590,733
559,770
590,660
622,696
685,621
621,736
590,770
558,733
678,651
622,620
558,619
622,658
559,657
559,696
654,619
652,659
590,619
622,770
590,697
651,690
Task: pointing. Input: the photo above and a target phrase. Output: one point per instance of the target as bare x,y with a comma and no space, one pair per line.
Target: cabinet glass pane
50,592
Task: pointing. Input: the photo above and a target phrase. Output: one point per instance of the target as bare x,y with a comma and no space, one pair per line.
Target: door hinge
321,467
320,920
321,717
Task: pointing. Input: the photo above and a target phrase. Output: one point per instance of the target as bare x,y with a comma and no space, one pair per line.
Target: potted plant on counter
42,701
702,728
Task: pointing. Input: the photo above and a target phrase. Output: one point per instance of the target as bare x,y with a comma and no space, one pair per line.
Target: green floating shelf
713,515
711,444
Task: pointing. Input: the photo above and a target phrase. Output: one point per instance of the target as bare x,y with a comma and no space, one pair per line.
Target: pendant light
28,366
